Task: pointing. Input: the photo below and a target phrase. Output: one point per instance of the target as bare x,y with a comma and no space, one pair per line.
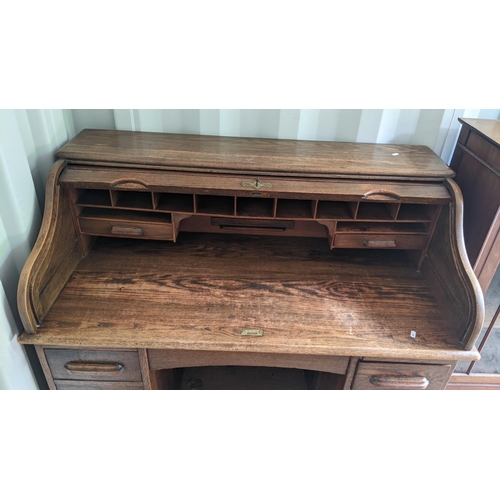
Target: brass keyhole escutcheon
256,184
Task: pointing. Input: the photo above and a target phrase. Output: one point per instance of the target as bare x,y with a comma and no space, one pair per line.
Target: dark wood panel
481,192
94,198
244,154
489,257
484,149
477,161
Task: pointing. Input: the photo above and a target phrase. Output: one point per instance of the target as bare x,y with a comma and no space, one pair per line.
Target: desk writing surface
490,129
201,292
251,155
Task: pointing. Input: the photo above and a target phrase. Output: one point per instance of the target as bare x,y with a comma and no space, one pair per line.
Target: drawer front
163,359
112,366
72,385
485,150
125,229
403,241
400,376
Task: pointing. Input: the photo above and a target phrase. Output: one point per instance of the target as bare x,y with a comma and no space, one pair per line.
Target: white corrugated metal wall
29,138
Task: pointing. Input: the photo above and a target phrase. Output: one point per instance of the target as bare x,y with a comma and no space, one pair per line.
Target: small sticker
413,334
395,154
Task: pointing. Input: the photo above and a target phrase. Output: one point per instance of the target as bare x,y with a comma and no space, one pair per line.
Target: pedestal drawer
111,366
387,376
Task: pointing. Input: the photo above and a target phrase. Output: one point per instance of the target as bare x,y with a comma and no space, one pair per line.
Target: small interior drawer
399,376
112,366
401,241
126,229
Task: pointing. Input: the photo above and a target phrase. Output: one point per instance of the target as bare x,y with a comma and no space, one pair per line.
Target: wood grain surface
97,385
474,381
489,129
387,376
230,185
53,258
201,292
161,359
213,153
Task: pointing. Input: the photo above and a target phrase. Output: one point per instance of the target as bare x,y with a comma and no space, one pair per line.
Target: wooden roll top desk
159,252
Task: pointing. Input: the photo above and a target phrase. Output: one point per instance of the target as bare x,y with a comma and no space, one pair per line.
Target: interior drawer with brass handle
402,241
118,366
391,376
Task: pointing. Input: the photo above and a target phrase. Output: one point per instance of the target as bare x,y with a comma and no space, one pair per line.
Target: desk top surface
490,129
202,292
254,156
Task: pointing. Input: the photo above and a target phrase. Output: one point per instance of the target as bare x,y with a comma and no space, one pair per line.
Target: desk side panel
54,257
449,273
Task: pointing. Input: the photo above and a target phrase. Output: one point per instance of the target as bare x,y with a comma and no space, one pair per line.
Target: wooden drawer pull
381,194
124,230
394,382
82,366
380,244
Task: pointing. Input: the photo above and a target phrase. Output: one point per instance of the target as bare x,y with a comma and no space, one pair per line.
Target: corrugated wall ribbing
28,140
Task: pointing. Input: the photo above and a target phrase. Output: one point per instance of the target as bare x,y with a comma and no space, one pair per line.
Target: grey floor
490,357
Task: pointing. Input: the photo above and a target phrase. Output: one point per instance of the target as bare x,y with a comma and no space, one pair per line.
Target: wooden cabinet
160,252
476,161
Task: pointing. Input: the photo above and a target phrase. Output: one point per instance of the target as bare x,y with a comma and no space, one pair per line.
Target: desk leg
155,379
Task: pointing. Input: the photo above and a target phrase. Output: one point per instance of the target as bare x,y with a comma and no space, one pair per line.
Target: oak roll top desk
159,252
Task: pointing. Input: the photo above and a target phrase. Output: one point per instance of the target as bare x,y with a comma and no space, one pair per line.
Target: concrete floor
490,357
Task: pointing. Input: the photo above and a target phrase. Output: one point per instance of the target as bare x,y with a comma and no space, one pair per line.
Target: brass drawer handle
380,244
82,366
126,231
402,382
